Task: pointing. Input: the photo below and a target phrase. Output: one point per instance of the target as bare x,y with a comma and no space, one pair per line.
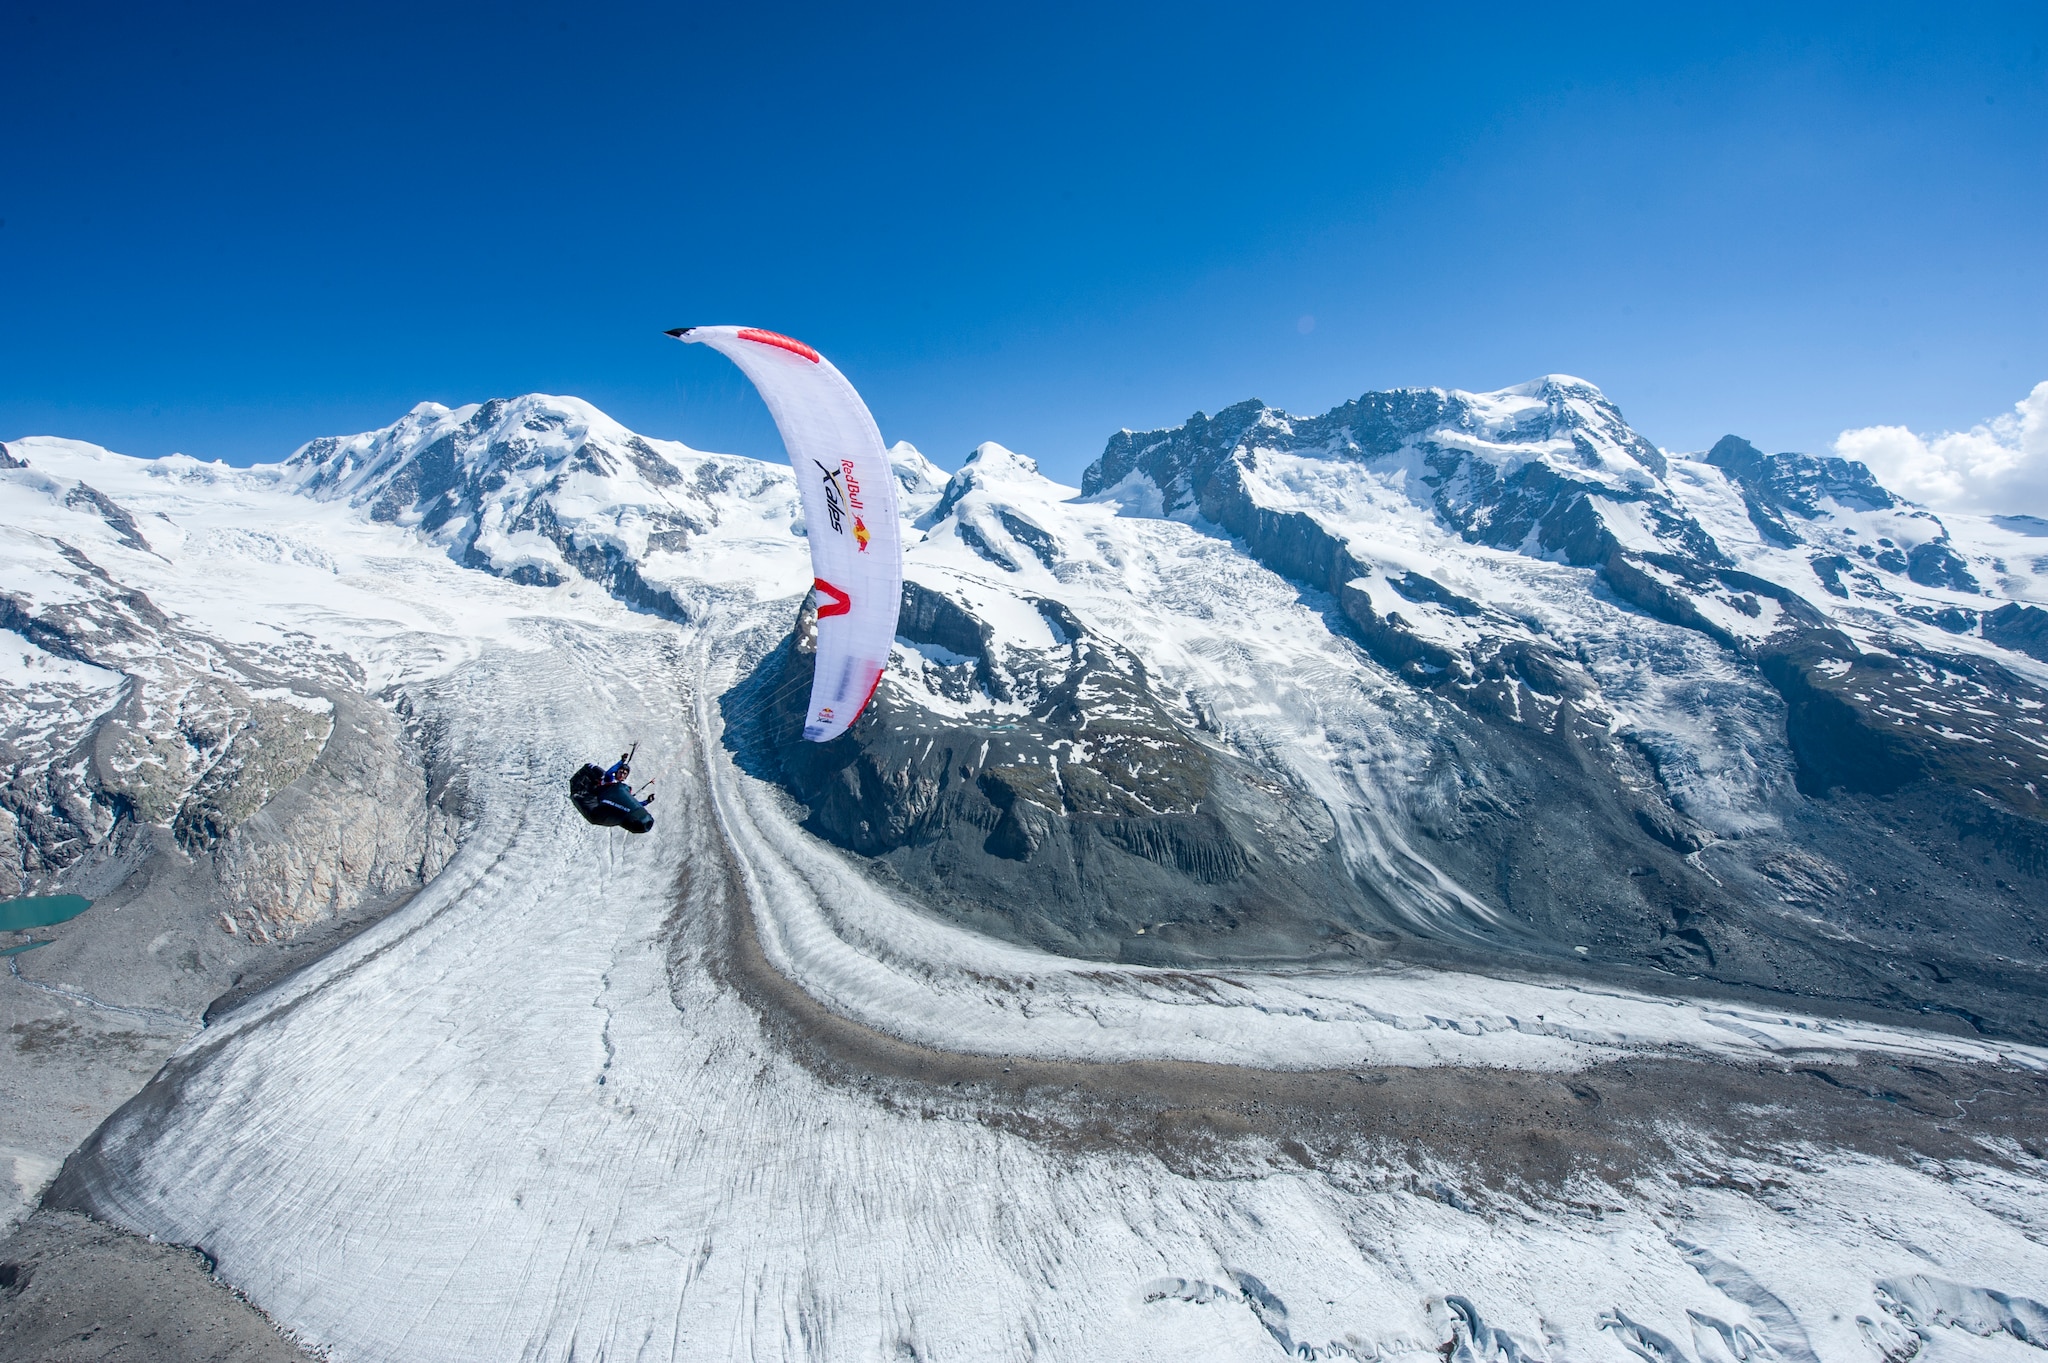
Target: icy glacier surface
550,1110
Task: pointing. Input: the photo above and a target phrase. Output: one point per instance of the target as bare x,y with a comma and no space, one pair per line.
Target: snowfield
558,1106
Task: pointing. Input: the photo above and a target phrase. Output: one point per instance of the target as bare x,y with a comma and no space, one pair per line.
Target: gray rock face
1797,483
116,517
305,797
2023,629
357,826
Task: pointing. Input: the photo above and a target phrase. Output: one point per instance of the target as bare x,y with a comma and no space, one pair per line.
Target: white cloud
1997,468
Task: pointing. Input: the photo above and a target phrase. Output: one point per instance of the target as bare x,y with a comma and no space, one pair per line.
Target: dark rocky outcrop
2024,629
1935,564
1776,485
1080,816
116,517
1796,483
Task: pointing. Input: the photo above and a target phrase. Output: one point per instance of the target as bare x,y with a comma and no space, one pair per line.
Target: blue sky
228,229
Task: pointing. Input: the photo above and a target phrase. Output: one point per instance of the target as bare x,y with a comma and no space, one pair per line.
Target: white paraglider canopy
849,500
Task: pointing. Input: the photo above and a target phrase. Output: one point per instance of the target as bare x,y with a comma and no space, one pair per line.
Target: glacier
738,1088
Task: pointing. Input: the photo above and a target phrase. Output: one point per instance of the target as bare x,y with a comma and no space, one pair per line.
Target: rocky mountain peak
991,460
402,469
1826,492
986,493
538,489
919,482
1799,482
1557,423
1554,387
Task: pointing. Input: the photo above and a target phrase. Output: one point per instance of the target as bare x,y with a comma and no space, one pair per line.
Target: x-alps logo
835,499
842,492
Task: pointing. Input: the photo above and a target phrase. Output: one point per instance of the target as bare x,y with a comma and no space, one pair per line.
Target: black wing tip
678,332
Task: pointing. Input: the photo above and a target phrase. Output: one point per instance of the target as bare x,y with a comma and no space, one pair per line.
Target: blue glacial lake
41,911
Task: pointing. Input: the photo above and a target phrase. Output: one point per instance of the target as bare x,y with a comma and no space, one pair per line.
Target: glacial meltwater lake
41,911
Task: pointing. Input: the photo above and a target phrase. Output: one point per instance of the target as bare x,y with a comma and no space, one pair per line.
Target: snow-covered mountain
1550,471
1513,679
1443,877
541,489
1485,672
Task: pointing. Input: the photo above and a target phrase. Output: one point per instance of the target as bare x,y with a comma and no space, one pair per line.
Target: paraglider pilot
620,773
604,798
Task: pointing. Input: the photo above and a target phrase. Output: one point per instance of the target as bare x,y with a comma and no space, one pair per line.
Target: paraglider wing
849,513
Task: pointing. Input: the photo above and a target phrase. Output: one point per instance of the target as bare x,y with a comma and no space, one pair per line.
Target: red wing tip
780,342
